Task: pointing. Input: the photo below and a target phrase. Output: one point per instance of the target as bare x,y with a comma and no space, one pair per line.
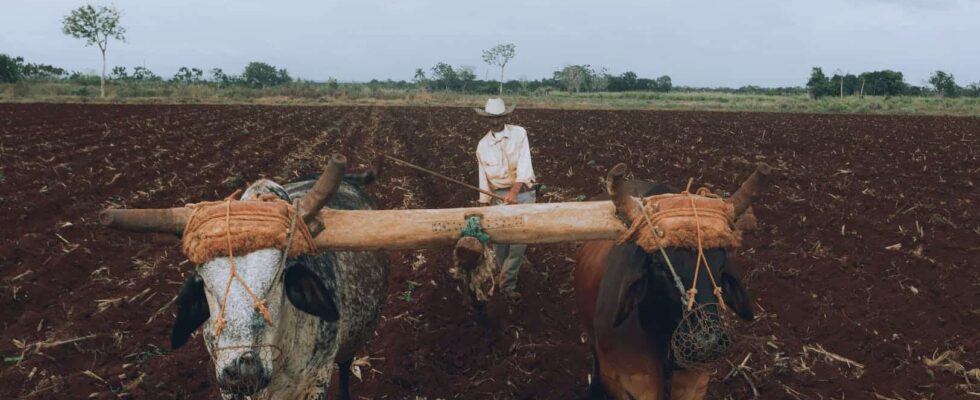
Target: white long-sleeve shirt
505,159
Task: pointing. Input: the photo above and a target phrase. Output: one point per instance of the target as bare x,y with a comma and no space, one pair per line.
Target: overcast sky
696,42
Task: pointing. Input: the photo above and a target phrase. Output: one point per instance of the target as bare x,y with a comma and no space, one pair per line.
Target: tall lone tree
499,55
96,25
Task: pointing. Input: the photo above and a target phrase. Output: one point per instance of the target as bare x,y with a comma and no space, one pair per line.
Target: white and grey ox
323,308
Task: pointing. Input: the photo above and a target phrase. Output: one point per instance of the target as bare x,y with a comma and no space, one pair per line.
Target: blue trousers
511,256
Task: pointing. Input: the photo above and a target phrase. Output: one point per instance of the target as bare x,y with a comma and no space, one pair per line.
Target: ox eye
281,274
200,271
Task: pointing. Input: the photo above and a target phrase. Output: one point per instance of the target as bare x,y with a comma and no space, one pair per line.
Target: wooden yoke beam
510,224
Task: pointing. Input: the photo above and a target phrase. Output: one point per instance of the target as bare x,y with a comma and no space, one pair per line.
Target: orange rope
633,231
255,224
660,246
700,257
233,275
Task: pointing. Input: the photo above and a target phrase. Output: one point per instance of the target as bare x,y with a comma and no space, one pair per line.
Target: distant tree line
139,74
629,81
463,79
884,83
446,78
255,74
14,69
571,78
750,89
578,78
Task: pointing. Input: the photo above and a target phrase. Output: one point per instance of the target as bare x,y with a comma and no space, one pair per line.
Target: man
504,159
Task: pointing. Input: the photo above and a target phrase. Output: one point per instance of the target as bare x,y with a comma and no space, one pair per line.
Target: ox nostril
245,367
248,363
246,358
245,375
231,373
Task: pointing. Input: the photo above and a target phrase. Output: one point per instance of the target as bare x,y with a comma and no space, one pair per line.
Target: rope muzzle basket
702,339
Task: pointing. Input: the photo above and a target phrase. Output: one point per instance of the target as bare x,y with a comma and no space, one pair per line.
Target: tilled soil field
865,271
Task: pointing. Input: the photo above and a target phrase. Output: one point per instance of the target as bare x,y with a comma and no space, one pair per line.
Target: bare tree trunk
501,92
842,87
102,77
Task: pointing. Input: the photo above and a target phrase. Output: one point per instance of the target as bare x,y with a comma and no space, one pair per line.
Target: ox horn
159,220
743,197
627,206
324,188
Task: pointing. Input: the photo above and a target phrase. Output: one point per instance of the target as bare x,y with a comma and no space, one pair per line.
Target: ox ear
632,289
192,311
307,293
734,293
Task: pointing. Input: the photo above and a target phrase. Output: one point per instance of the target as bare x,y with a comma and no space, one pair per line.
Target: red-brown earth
869,245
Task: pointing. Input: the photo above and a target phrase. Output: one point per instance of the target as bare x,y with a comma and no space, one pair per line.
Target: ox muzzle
244,376
702,338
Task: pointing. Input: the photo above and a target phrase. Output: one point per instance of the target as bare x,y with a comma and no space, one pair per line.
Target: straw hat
495,108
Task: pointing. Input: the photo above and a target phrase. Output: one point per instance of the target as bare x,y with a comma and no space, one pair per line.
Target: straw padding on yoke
252,225
675,222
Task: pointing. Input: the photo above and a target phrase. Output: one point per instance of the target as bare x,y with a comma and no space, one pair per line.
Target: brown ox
630,305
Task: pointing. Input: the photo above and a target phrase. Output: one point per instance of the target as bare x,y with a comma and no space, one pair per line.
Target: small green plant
410,288
2,177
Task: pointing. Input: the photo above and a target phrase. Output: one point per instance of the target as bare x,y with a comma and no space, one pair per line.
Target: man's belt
525,187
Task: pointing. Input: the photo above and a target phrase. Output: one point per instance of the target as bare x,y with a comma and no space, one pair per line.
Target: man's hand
511,197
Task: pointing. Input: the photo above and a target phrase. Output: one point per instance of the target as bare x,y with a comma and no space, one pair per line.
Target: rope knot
263,214
259,304
474,230
219,325
721,301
